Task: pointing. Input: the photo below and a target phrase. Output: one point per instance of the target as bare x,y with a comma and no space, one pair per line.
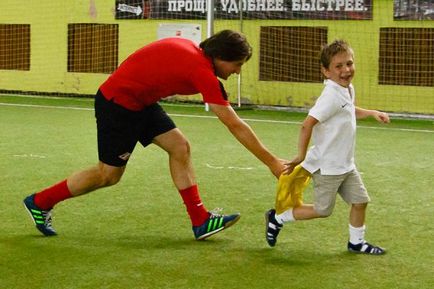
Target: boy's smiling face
341,69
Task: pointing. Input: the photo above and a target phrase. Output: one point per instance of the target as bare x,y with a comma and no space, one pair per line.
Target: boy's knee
324,212
360,205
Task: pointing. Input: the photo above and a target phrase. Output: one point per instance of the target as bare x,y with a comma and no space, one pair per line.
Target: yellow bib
290,189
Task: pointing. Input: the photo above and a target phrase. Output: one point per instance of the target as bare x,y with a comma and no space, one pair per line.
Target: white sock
357,235
285,217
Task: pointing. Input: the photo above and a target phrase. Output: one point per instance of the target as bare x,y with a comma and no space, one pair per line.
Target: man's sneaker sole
227,225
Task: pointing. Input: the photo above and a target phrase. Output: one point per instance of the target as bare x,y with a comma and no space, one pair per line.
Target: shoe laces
47,218
216,212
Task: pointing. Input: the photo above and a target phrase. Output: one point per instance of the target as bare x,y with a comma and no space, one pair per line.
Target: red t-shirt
164,68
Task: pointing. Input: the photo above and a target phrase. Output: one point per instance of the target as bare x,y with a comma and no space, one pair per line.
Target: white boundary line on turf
214,117
78,99
90,99
245,119
229,167
45,106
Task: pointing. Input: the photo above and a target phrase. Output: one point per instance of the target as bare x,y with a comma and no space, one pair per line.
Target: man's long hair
227,45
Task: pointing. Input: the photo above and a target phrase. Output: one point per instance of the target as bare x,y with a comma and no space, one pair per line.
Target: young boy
332,124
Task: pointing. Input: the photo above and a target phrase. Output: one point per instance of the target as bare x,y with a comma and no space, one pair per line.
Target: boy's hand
382,117
292,164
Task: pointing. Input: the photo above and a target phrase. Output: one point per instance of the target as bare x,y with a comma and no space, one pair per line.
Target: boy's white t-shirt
334,136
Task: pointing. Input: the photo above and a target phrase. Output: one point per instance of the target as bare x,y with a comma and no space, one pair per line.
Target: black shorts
119,129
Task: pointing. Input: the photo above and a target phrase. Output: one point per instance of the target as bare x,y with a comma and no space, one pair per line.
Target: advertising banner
413,10
250,9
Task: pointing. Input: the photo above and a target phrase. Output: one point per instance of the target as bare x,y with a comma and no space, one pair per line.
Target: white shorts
349,186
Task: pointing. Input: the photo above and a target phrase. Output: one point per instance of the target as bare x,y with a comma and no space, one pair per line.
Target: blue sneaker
214,224
41,218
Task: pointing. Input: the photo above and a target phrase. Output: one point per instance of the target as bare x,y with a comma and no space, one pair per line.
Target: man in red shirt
127,112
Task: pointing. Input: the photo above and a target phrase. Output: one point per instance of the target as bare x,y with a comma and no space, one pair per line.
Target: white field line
88,99
46,106
214,117
229,167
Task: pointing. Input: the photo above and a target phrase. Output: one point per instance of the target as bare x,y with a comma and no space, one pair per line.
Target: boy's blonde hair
330,50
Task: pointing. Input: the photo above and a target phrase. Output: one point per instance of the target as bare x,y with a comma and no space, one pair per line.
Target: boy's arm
378,115
303,142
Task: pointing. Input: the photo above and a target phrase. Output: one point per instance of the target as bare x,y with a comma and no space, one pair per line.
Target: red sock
47,198
195,208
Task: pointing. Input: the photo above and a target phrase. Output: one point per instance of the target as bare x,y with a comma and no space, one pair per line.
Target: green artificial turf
137,234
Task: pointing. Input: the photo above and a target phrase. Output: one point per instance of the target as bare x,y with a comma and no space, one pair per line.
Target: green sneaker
41,218
214,224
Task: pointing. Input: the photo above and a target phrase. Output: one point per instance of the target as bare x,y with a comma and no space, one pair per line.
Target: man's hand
279,167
